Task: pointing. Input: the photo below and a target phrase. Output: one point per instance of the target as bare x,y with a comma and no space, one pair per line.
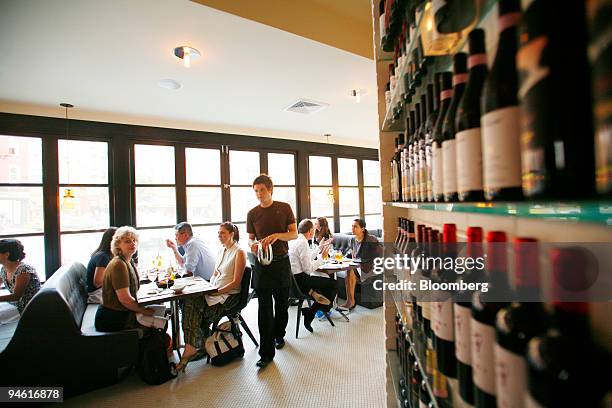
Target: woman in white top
320,285
201,312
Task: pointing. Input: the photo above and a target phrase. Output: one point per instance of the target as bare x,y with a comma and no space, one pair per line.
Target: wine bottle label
459,79
463,315
510,378
603,158
501,148
528,62
449,156
477,59
483,340
383,28
426,310
469,156
437,171
444,325
534,176
447,94
508,20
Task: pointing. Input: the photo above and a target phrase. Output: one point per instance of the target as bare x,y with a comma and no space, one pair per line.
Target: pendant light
68,199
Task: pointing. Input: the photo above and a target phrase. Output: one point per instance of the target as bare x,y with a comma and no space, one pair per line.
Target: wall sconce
68,200
358,93
187,54
330,195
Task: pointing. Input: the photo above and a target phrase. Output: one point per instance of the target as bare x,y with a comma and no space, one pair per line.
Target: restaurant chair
301,298
245,297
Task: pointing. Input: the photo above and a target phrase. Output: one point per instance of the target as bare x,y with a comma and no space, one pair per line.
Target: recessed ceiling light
187,54
358,93
169,84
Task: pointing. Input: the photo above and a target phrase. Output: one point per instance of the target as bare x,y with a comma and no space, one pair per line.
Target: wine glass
339,256
152,274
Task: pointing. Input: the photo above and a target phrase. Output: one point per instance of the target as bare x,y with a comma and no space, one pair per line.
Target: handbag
225,344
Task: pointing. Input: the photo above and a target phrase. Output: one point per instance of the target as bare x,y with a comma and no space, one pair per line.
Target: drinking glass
152,274
339,256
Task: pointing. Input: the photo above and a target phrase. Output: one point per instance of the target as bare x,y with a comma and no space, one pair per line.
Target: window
204,194
321,188
281,168
372,195
155,200
348,193
84,198
21,196
244,168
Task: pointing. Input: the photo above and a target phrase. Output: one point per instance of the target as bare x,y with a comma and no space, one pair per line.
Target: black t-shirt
99,259
270,220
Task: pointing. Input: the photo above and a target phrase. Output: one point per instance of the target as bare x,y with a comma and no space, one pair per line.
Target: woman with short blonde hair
119,306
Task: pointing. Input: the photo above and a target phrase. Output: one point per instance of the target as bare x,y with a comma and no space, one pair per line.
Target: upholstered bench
365,294
54,343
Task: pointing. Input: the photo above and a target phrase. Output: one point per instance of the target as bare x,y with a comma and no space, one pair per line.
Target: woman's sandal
180,367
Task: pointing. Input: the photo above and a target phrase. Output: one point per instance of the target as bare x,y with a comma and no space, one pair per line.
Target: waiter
271,223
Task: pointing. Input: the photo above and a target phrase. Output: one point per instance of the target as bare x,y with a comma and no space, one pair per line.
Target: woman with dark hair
97,265
322,236
200,312
18,277
365,248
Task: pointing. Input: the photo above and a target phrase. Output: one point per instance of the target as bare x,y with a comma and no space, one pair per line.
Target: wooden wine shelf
598,212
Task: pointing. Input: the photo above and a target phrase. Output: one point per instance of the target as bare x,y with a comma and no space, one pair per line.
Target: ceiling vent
306,106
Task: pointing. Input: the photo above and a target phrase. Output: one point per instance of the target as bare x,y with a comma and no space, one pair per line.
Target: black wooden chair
301,298
245,296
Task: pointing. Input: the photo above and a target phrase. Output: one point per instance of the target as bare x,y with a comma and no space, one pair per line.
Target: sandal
180,367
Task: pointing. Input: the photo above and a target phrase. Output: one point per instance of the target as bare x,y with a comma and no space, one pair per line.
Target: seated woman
18,277
119,306
322,235
97,265
364,247
320,285
201,312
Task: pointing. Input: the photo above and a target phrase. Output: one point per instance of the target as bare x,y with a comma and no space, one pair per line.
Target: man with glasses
197,259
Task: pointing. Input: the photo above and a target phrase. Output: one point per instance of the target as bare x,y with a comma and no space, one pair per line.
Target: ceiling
106,57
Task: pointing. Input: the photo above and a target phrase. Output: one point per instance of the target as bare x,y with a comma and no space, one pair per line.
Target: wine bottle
410,159
469,150
382,26
565,367
501,150
422,135
449,152
388,96
600,55
444,336
437,162
415,380
415,149
463,314
485,306
404,168
424,398
451,16
517,324
398,163
555,92
394,173
401,353
433,101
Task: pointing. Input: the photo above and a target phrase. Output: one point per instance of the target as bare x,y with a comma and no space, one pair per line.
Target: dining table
150,294
333,266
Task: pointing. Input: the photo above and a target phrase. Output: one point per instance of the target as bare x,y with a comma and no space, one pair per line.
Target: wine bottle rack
598,212
398,301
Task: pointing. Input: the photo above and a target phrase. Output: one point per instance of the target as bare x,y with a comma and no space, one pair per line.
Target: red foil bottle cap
420,233
526,262
496,252
474,247
573,274
428,234
450,232
474,234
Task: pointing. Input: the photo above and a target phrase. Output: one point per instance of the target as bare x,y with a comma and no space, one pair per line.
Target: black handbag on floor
153,365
